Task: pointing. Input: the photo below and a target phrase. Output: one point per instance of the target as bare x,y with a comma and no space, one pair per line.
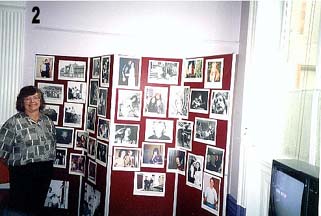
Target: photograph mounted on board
126,159
92,147
103,129
194,171
72,70
214,160
163,72
77,164
57,195
96,68
101,153
52,93
214,73
155,101
129,105
179,102
93,92
129,72
193,70
149,184
220,104
44,68
102,102
73,115
61,158
159,130
211,193
176,160
76,92
126,135
205,130
199,101
153,155
91,201
65,137
52,111
92,171
91,119
184,134
82,138
105,71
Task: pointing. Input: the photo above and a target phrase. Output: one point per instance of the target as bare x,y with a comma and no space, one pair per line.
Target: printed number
35,19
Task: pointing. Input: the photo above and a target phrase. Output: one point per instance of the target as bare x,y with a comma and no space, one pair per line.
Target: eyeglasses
32,98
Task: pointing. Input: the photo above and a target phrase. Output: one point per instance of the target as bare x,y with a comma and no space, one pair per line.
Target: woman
28,147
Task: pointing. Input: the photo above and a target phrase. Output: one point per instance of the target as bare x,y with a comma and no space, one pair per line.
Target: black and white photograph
44,67
103,129
52,111
194,171
76,92
153,155
92,171
61,158
52,93
92,147
105,71
199,101
72,70
96,68
193,70
129,105
214,160
176,160
91,202
149,184
155,101
126,135
214,73
211,194
65,137
93,92
205,130
179,102
184,134
81,140
126,159
57,195
129,72
91,119
159,130
163,72
101,153
77,164
73,115
220,104
102,102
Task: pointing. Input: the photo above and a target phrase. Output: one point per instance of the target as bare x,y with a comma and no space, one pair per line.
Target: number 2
35,19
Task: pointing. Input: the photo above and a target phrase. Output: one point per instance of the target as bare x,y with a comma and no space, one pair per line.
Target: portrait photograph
129,105
52,93
92,146
214,160
96,68
81,140
91,201
179,102
149,184
92,171
57,195
193,70
220,104
93,92
155,101
153,155
176,160
101,153
211,194
105,71
102,102
129,72
184,134
73,115
214,73
163,72
65,137
77,164
158,130
199,101
61,158
76,92
52,111
126,135
194,171
44,67
72,70
126,159
91,119
103,129
205,130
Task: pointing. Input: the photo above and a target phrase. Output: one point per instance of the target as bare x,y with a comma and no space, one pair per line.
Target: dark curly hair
25,92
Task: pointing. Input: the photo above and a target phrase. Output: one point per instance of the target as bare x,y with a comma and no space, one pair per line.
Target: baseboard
232,209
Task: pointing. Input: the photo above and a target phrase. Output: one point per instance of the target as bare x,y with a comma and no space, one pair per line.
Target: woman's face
128,131
32,103
197,165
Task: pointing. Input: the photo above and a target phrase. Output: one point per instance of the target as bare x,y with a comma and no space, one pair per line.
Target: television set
294,189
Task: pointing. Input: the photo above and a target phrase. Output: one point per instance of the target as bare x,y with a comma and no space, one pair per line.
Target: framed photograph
163,72
52,93
126,135
101,153
91,119
220,104
103,129
211,194
194,171
61,158
193,70
149,184
77,164
199,101
57,195
44,68
76,92
105,71
129,105
96,68
155,101
184,134
126,159
205,130
92,199
72,70
129,72
102,102
214,160
153,155
82,138
93,92
52,111
214,73
92,171
158,130
176,160
73,115
64,137
92,146
179,102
